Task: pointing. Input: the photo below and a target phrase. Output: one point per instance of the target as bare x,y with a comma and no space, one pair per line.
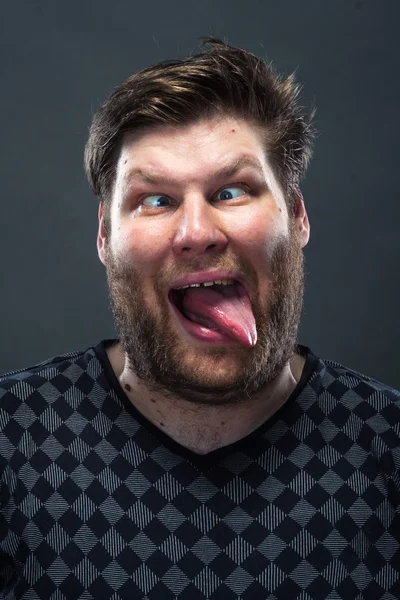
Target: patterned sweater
97,503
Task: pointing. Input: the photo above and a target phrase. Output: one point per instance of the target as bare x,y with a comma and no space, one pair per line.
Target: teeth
207,284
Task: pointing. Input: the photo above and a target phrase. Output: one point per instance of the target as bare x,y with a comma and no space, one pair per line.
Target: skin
188,232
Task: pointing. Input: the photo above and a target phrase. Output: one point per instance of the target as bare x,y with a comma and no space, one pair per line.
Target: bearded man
203,453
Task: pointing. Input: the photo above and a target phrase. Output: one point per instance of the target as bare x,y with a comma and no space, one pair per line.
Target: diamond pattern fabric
95,502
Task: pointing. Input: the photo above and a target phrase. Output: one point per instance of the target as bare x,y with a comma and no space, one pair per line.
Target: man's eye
157,201
231,192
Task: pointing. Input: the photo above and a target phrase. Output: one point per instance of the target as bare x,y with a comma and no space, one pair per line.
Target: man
203,454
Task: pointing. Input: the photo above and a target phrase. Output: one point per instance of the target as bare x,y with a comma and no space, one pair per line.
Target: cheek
260,237
144,248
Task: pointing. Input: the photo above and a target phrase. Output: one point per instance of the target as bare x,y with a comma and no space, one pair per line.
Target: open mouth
177,297
216,311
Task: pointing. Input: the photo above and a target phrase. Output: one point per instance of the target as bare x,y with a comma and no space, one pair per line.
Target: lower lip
201,333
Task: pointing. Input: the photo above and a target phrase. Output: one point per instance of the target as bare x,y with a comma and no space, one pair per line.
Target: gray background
59,60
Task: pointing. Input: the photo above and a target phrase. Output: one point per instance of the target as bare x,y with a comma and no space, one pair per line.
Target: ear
301,219
102,239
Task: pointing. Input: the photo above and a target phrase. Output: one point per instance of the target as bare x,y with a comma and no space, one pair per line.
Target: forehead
193,154
209,138
199,132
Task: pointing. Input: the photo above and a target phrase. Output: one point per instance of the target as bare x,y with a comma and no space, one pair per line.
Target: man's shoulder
356,404
51,377
38,400
341,380
45,368
330,378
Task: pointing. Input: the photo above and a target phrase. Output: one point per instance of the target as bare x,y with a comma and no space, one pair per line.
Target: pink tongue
226,309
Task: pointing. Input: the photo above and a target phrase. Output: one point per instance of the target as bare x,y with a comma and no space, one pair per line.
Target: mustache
125,272
178,270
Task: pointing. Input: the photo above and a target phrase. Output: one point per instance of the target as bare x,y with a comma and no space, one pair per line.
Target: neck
204,428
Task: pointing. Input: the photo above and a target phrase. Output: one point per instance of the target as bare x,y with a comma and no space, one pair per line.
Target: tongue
226,308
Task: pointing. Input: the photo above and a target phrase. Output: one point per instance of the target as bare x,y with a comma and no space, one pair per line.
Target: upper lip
206,276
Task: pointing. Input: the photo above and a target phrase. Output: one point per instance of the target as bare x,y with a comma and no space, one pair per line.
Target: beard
157,353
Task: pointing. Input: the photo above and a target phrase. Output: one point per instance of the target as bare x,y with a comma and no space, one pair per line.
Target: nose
200,228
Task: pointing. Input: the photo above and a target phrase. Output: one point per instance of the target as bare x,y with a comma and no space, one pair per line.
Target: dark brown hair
221,81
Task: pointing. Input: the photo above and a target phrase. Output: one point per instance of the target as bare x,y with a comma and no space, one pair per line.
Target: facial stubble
158,355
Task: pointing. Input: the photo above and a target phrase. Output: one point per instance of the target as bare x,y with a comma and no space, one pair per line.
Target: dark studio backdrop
59,60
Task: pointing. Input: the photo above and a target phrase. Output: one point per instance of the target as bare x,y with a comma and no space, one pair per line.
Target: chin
225,363
210,379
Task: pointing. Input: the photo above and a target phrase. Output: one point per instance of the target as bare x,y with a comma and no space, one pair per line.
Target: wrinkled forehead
195,153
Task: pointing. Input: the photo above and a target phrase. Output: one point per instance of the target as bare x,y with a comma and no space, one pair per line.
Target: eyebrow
227,171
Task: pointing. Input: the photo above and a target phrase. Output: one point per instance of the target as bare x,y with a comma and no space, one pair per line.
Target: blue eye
157,201
231,192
